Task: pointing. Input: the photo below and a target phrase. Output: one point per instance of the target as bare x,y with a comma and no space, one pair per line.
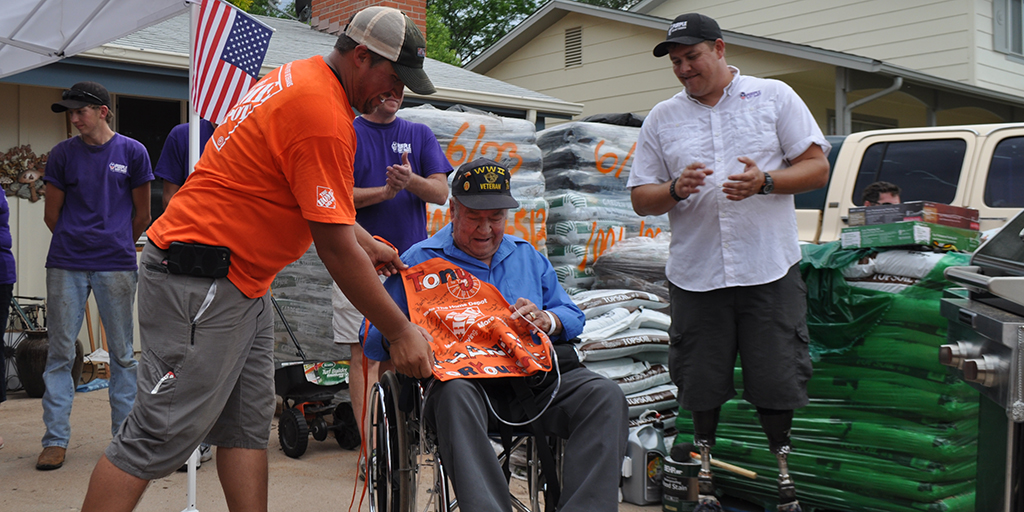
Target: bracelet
551,318
672,190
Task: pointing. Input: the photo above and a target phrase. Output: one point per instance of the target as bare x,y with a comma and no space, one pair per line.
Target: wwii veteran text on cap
483,184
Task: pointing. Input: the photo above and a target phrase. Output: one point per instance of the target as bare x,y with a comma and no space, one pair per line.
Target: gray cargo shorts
765,324
209,381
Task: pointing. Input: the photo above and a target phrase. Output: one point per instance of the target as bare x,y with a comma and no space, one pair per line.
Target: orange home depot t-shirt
282,157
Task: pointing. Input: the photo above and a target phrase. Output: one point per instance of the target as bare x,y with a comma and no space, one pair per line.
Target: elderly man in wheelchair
586,411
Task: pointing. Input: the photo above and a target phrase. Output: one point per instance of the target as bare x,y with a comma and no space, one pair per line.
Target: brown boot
51,458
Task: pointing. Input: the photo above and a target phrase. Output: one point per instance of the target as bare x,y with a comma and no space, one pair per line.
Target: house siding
934,37
617,57
993,69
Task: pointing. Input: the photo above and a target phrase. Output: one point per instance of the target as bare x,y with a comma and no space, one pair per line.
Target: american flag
228,52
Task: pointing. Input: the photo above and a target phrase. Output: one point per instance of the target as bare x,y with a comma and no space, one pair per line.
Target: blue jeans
66,294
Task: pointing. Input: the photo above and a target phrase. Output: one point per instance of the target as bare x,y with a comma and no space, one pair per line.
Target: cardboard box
925,211
896,234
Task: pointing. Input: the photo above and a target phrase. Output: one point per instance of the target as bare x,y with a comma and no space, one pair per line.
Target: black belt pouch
198,260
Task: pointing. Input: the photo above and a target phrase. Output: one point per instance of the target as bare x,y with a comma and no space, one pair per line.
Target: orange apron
474,334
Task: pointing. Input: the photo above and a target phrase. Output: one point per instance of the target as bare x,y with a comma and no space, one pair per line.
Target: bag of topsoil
571,232
616,368
658,398
849,473
601,148
466,136
868,431
572,276
939,383
636,264
303,292
623,344
581,206
598,302
656,375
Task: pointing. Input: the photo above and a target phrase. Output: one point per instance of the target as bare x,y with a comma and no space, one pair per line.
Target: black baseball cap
689,29
483,184
391,34
80,95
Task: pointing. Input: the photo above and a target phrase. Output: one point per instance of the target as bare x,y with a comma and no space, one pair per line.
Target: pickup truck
976,166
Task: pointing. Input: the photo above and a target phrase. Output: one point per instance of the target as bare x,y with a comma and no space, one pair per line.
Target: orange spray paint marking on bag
456,149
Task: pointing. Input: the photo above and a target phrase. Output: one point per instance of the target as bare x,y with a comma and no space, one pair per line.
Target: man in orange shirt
276,176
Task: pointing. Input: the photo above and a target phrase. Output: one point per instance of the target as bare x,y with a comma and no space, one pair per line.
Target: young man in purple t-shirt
97,206
172,166
399,166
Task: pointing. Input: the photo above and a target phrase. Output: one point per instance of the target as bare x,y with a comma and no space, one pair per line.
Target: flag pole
193,117
193,157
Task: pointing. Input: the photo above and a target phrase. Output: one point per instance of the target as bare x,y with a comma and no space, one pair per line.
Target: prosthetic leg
776,425
704,425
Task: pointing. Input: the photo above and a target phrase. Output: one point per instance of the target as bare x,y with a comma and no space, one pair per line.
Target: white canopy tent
39,32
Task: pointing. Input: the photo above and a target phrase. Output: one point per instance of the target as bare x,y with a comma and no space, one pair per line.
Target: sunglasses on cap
79,95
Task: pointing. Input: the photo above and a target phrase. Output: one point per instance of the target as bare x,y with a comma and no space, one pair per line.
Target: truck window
1004,187
815,199
926,170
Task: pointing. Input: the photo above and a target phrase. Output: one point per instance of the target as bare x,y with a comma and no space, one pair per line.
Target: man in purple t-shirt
172,166
97,206
398,167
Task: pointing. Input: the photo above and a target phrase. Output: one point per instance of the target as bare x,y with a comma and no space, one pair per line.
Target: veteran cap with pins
483,184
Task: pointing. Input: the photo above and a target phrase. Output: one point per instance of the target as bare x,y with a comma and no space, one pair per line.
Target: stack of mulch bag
888,428
625,339
303,292
635,264
586,167
466,134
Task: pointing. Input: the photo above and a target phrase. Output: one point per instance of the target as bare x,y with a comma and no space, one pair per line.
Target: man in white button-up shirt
723,158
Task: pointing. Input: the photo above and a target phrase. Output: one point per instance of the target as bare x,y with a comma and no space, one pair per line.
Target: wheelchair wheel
392,478
293,433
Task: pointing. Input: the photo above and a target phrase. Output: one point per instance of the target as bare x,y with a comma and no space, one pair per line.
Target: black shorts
765,324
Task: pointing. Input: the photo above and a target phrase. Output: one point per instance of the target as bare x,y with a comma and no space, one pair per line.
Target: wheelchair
402,449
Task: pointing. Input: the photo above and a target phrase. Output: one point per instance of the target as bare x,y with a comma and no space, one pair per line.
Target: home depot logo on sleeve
325,198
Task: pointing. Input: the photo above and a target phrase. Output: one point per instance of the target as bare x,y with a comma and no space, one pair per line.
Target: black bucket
679,485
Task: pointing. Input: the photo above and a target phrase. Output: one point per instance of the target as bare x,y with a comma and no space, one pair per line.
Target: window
1004,187
148,121
573,47
1008,26
815,199
926,170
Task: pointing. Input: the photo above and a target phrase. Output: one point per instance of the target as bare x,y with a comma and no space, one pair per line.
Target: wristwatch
768,186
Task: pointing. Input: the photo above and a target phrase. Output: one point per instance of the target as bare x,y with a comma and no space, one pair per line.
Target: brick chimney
331,16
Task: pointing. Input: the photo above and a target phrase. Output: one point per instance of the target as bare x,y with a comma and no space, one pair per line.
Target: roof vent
573,47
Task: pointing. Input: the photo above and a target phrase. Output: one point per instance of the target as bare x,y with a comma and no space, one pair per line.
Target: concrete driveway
324,478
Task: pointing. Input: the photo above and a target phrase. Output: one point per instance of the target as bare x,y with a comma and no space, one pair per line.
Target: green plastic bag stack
888,428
